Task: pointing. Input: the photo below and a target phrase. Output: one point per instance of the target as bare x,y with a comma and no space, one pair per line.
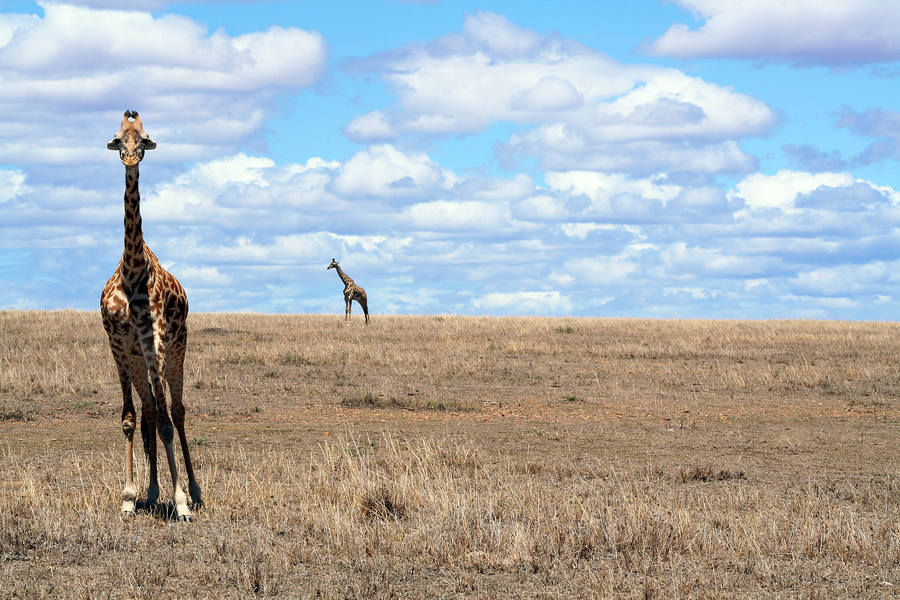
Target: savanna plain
463,457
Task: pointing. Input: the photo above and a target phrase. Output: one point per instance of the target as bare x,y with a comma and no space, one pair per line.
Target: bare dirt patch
465,457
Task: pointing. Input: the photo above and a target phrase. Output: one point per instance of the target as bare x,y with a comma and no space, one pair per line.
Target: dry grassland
451,457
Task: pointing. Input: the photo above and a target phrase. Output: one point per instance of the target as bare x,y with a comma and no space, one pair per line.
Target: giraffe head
333,264
131,140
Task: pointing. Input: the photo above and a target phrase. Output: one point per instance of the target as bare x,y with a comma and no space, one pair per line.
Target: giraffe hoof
186,518
196,497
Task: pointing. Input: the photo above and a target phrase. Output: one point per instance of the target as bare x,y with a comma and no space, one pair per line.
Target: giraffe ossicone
144,310
351,292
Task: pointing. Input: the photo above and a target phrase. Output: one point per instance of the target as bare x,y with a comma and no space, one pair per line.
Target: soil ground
464,457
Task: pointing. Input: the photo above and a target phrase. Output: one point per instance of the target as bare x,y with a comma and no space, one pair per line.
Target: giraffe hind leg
365,307
166,431
175,379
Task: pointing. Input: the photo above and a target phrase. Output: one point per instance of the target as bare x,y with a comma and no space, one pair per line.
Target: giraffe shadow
164,511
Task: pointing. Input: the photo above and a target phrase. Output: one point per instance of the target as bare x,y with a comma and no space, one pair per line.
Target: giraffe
144,311
351,292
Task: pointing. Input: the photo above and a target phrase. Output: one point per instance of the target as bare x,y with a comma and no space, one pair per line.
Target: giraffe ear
149,144
114,143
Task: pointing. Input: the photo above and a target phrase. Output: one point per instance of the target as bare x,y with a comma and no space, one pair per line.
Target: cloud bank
622,189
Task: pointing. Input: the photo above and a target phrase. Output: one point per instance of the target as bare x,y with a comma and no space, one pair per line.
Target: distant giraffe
351,292
144,310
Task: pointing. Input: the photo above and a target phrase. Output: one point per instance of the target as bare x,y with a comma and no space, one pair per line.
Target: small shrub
11,415
709,474
444,405
240,359
295,359
369,400
381,504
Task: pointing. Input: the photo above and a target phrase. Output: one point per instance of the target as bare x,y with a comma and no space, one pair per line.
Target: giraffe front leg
148,427
129,493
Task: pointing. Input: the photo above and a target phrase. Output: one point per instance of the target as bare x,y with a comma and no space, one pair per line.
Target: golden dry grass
465,458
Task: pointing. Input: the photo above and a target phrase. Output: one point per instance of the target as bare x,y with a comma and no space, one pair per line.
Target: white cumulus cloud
201,94
12,184
383,171
525,303
582,109
806,32
781,190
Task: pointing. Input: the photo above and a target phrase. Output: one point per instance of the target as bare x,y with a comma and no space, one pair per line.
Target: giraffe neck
344,277
134,259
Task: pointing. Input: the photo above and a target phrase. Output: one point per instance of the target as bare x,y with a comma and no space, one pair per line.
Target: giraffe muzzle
131,160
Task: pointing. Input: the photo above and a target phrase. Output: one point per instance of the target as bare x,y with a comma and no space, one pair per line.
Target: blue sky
686,159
